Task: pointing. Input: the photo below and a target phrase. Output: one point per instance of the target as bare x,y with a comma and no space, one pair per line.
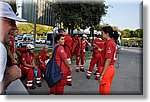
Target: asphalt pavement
128,78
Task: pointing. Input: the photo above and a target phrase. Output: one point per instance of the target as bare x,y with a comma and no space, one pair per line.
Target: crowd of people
11,67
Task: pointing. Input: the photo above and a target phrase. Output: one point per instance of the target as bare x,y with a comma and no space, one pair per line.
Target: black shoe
88,77
95,73
82,70
77,70
39,84
69,84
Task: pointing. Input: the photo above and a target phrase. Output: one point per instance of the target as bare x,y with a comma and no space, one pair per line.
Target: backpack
53,73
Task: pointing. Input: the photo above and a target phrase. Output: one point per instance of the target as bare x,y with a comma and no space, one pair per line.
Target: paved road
127,80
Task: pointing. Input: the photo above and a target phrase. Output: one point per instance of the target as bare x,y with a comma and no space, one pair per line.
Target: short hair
61,30
57,37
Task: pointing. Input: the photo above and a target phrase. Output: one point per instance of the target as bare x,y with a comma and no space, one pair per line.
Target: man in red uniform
28,67
109,56
76,48
67,48
98,44
42,58
84,43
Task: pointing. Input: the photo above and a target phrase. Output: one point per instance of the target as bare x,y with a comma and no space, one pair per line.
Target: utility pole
35,4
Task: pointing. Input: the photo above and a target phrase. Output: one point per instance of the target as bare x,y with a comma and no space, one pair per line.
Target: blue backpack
53,73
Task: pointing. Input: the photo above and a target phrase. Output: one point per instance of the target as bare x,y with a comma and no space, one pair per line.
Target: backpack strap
54,53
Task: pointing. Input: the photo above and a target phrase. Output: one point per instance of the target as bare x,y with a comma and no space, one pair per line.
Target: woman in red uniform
28,67
58,89
109,56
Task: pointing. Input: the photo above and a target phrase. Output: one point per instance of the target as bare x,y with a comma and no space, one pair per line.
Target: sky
125,14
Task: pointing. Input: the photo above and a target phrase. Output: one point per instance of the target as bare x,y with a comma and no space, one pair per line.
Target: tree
139,33
81,15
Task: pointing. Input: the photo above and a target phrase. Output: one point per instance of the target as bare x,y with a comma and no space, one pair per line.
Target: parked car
135,44
40,41
127,44
23,39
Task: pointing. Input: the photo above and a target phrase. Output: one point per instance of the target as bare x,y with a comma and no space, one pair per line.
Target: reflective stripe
89,72
38,81
69,79
68,76
30,81
77,67
81,65
38,78
97,73
29,84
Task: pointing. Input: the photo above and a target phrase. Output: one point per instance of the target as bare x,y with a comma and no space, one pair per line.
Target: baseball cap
7,12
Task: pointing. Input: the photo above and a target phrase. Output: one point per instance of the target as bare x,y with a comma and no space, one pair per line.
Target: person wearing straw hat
7,22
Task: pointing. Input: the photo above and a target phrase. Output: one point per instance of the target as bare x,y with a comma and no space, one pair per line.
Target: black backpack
53,73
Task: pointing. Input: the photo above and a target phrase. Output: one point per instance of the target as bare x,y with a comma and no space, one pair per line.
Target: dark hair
61,30
112,33
57,37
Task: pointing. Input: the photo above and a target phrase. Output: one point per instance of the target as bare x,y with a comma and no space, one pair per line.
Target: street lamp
35,2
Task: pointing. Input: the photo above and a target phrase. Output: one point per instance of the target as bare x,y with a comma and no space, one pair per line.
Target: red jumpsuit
58,89
43,57
67,48
76,48
82,54
28,58
68,45
96,57
109,52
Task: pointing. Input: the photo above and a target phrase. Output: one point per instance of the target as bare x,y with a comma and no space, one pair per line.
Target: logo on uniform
109,51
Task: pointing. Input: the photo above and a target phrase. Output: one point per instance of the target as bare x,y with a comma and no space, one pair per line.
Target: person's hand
100,79
100,49
35,67
13,72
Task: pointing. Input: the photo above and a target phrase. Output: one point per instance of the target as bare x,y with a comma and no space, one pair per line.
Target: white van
23,40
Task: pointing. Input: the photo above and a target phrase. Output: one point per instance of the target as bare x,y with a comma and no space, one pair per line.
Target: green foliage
133,33
81,15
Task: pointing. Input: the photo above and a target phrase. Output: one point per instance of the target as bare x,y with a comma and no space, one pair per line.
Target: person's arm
33,63
12,73
66,63
107,62
27,65
12,57
88,43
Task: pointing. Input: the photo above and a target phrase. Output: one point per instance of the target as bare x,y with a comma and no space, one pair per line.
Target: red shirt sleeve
109,51
23,57
61,52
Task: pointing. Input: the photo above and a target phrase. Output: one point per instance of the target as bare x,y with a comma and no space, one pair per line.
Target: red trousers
30,75
42,67
82,58
95,60
105,84
58,89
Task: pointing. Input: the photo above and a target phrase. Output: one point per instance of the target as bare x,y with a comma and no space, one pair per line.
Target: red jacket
99,43
76,46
